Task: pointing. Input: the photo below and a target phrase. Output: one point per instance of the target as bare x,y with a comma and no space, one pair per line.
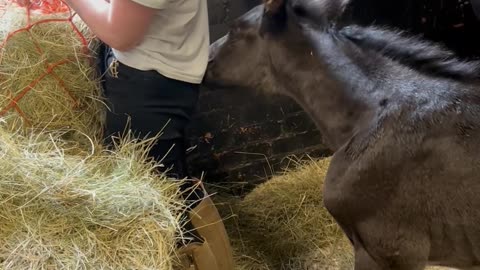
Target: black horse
402,115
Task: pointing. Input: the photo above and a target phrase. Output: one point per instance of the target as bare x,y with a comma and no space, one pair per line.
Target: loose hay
105,211
246,257
47,74
338,255
285,217
282,224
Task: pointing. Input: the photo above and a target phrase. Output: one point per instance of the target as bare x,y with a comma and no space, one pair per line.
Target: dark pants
149,104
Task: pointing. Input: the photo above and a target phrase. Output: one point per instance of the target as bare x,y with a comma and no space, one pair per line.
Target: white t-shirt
176,45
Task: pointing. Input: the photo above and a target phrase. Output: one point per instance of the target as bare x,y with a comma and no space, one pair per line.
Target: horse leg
381,245
363,261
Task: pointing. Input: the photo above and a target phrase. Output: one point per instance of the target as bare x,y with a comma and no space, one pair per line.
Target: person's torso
176,44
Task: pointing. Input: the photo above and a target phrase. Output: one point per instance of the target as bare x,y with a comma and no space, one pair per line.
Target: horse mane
417,53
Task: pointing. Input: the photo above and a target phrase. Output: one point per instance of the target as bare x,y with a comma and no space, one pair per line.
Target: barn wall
244,137
241,136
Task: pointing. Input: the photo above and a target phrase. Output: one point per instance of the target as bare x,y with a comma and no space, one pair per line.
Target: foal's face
265,39
236,57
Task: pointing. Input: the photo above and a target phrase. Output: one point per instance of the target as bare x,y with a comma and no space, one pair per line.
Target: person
153,58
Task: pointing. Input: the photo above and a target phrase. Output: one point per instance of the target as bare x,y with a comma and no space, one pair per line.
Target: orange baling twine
40,7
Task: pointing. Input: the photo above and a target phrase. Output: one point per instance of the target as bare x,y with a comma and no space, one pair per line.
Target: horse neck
340,94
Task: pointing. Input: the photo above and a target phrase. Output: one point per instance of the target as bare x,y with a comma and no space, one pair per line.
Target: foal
401,114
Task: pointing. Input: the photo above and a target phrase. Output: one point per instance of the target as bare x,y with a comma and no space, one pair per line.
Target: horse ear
272,6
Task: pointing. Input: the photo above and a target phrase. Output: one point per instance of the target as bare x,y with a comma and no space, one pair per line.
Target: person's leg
148,104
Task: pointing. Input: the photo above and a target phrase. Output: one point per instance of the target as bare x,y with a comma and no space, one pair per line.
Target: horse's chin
210,80
215,83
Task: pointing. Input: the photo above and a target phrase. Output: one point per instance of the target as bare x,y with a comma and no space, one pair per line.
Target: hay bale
282,224
104,211
337,255
285,218
47,77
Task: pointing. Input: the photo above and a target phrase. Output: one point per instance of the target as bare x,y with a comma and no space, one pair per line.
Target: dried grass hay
285,216
104,211
47,74
282,224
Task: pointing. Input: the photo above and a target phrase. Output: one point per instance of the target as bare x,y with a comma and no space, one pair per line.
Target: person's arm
121,24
